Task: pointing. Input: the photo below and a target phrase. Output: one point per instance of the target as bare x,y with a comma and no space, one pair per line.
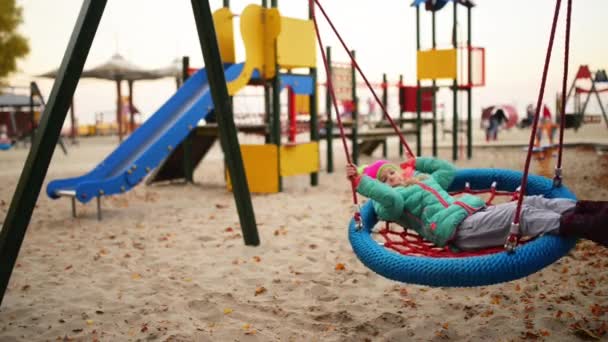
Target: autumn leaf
67,267
229,230
260,290
257,258
135,276
227,311
495,300
340,267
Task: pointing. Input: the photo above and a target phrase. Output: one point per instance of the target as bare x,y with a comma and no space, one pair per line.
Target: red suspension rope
330,87
390,120
557,179
514,233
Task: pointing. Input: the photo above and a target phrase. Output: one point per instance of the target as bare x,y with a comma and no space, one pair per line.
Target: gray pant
490,226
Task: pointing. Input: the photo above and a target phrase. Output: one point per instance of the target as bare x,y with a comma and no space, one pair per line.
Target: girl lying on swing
414,194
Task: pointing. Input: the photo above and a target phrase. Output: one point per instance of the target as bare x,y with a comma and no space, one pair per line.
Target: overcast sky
152,33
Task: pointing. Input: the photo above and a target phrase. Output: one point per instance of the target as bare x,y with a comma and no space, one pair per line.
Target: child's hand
351,171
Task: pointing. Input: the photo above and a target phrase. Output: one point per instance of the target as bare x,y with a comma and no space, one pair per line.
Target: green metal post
37,163
267,102
313,110
434,91
329,125
276,108
187,144
225,119
455,90
400,115
418,91
385,104
355,114
470,89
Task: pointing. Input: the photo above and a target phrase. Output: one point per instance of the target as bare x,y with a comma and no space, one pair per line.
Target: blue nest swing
466,271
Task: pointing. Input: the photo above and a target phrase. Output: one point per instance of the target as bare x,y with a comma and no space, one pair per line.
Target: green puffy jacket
425,206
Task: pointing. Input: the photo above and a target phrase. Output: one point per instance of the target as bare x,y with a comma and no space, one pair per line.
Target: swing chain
513,238
357,217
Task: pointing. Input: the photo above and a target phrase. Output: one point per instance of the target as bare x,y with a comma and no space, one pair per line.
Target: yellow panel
222,19
258,27
296,45
303,104
299,159
261,168
434,64
272,29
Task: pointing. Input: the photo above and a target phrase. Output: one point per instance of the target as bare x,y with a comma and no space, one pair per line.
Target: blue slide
148,145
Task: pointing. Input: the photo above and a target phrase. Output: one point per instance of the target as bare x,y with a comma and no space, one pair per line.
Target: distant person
497,119
5,142
527,121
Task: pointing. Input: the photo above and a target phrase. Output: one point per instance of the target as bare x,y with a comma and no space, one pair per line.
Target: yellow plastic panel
258,27
296,45
272,29
222,19
435,64
300,159
303,104
261,168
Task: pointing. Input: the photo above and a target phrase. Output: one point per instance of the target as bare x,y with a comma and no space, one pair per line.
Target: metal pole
313,110
418,91
434,92
385,104
225,119
276,107
119,109
355,114
329,125
455,90
400,114
187,143
43,146
470,88
131,114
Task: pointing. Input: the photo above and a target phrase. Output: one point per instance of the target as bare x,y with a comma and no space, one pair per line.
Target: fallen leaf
25,287
257,258
227,311
67,267
259,290
135,276
340,267
89,322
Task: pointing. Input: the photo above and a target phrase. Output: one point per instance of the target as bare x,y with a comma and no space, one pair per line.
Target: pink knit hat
374,170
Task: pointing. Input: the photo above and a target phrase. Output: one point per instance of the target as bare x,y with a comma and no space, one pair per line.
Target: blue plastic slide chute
147,146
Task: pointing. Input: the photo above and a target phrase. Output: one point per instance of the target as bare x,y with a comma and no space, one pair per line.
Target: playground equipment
294,48
157,138
578,117
20,114
344,80
211,81
418,261
463,64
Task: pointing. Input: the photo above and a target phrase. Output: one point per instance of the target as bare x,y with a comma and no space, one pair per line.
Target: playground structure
208,89
578,116
274,73
165,131
20,114
464,65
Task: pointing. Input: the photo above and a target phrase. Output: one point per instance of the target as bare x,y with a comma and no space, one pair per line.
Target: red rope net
408,242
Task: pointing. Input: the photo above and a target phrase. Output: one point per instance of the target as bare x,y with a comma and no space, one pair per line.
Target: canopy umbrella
118,69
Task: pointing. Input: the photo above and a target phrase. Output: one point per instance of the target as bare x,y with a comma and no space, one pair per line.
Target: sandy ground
168,263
